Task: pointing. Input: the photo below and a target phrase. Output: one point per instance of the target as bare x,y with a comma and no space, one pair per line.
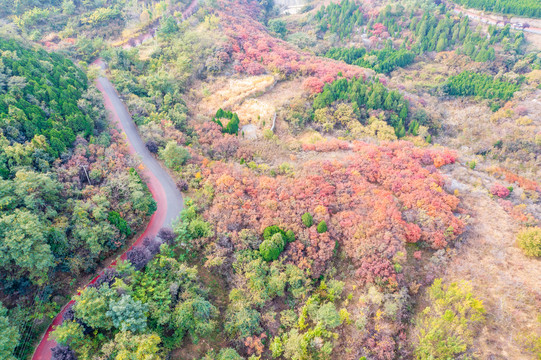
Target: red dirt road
160,184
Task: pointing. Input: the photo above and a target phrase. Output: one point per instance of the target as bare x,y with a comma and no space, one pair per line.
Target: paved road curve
478,15
161,185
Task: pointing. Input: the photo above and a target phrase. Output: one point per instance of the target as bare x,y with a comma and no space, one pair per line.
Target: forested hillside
355,174
67,196
525,8
47,79
395,36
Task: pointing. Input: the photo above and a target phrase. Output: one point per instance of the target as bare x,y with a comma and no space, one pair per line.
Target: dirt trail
508,282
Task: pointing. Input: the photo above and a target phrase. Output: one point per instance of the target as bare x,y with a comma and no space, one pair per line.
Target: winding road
160,184
494,18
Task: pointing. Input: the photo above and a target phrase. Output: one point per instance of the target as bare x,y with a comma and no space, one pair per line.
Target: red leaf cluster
499,190
378,29
513,178
374,201
254,50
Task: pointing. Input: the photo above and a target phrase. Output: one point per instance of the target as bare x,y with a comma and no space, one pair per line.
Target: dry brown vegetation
504,278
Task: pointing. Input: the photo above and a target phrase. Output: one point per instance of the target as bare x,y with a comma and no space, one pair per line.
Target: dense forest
526,8
482,85
364,98
68,199
131,311
415,33
340,19
386,60
47,79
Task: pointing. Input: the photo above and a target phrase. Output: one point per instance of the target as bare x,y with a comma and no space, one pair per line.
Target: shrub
195,316
128,314
168,26
182,185
167,235
9,334
232,126
121,224
445,327
224,354
521,110
532,343
127,345
174,156
278,26
276,347
108,277
152,245
61,352
322,227
499,190
271,230
198,228
69,314
529,240
290,236
139,256
242,322
70,332
328,316
91,306
307,219
152,146
271,248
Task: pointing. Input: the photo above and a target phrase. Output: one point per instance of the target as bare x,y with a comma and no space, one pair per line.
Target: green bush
364,95
121,224
232,126
242,322
271,248
278,26
271,230
174,156
128,314
529,240
388,59
526,8
322,227
44,92
307,219
196,317
445,327
328,316
290,236
168,26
